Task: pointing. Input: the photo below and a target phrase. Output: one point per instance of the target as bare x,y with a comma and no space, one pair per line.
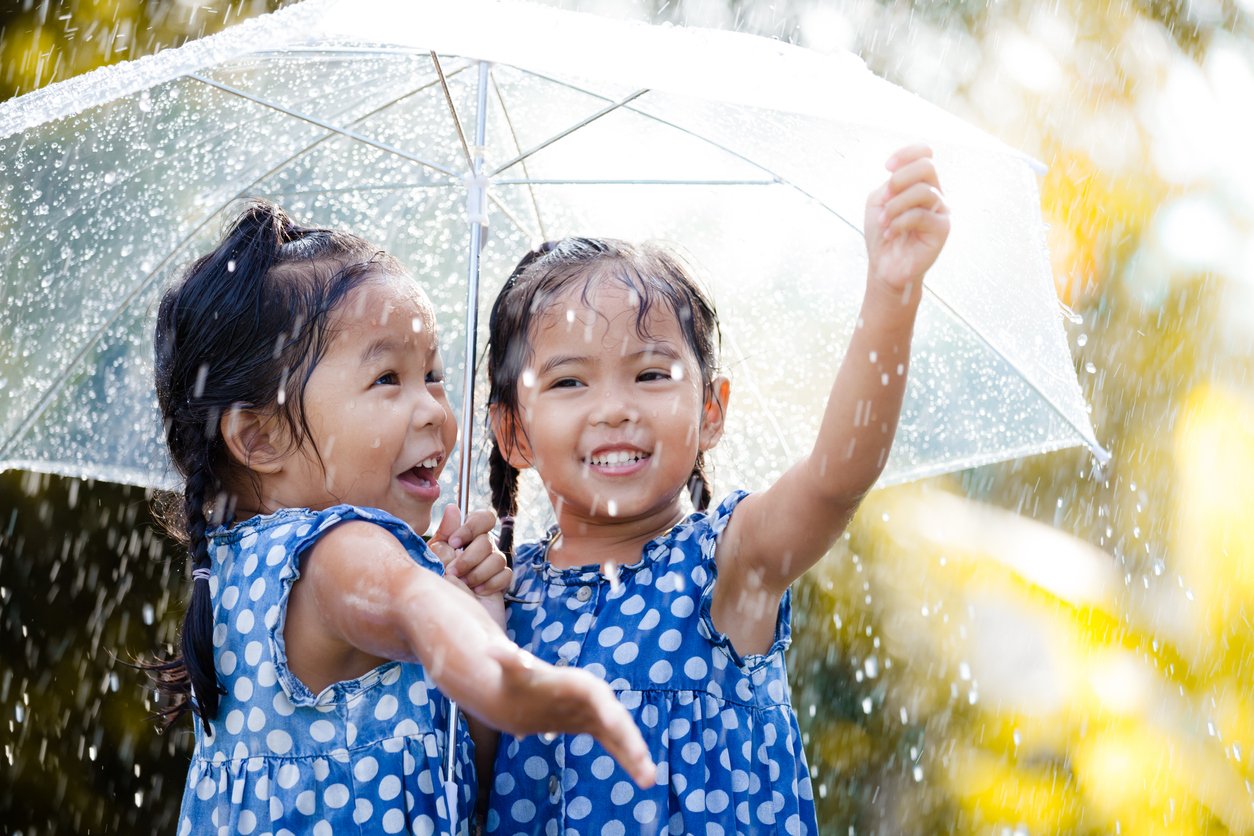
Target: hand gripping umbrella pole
476,187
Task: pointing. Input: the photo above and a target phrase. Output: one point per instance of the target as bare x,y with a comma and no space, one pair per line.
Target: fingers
922,170
919,197
907,155
573,701
621,738
920,221
448,524
497,583
477,563
477,523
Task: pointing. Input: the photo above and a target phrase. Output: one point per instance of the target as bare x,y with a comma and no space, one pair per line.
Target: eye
435,376
565,383
653,374
388,379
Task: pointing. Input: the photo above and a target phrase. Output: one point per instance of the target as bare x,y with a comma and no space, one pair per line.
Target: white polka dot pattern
720,727
360,757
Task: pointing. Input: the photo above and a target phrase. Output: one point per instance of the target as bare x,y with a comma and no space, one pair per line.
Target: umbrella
457,136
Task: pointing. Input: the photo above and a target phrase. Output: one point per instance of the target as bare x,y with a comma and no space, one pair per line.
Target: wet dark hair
243,326
654,273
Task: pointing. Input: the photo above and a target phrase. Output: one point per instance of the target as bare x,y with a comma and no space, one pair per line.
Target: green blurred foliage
44,41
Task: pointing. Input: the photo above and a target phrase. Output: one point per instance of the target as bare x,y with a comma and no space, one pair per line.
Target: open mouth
421,478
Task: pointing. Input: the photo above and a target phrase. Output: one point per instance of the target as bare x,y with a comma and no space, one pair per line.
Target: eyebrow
662,349
376,349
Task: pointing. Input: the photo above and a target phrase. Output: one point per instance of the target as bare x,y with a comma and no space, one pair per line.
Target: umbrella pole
476,185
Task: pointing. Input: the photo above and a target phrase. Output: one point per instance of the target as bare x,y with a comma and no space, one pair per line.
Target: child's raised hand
907,221
468,553
573,701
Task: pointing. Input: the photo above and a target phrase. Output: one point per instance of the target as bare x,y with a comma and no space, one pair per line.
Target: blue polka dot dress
719,726
361,757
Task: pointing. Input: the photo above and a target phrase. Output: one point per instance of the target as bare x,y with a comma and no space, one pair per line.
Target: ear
714,412
253,439
511,440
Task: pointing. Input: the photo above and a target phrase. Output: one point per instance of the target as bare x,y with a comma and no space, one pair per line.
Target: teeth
615,458
431,462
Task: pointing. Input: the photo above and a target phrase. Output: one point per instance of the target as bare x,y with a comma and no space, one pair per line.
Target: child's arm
471,559
361,595
778,534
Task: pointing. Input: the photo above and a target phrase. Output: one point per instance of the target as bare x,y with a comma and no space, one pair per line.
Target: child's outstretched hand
907,221
471,559
548,699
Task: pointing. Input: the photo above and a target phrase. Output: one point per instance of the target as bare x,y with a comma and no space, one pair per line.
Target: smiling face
611,415
377,411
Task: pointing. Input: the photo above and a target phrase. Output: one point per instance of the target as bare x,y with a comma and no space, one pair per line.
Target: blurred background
1027,648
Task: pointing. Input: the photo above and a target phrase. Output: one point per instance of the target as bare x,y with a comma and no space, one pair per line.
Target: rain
1033,645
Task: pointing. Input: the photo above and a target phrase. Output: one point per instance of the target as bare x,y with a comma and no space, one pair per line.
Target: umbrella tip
1100,453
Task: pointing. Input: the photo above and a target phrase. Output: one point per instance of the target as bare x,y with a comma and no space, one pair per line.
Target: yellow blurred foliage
1095,218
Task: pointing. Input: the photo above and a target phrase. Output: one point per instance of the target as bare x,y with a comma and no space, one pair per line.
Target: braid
699,485
197,634
503,480
192,674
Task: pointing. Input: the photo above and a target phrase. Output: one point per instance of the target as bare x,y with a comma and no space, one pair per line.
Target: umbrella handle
476,188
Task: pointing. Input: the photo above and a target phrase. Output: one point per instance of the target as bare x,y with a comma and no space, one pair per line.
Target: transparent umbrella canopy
457,136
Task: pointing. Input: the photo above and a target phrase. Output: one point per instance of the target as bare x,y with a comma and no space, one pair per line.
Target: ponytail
503,480
699,485
191,677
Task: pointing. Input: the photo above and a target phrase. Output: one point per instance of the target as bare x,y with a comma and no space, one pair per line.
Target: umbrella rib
457,123
365,140
535,204
531,236
1102,454
778,177
575,182
613,107
401,187
46,398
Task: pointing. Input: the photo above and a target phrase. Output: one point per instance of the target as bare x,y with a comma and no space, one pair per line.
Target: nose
427,411
614,409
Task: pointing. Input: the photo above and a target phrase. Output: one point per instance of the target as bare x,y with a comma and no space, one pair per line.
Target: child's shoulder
294,530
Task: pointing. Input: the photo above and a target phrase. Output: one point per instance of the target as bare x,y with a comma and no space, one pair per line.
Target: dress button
562,662
584,593
554,784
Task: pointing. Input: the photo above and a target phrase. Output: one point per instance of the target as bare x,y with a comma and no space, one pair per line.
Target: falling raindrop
918,773
529,378
1089,367
866,705
1082,340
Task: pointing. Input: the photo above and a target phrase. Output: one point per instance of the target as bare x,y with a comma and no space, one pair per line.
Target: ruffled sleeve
285,557
707,533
